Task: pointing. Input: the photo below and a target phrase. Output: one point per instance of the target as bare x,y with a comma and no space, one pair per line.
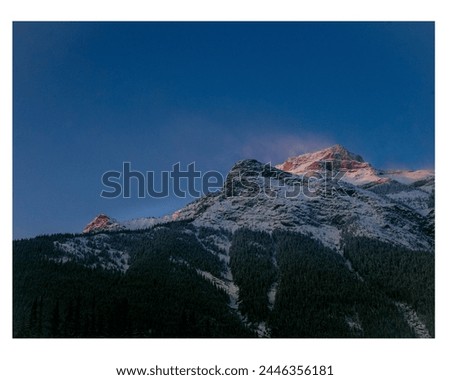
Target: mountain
336,158
412,189
323,245
261,197
103,223
356,171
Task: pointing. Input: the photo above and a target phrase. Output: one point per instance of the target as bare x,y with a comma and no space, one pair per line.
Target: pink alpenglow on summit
101,222
357,171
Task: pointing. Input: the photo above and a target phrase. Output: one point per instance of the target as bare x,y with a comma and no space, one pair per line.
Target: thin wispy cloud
277,147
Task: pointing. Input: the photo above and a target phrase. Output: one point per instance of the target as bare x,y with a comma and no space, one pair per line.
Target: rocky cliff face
353,168
336,156
100,223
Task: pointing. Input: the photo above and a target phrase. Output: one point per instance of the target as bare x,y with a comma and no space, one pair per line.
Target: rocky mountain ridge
314,194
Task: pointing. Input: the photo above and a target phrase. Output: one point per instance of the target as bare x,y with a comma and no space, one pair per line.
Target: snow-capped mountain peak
336,154
353,167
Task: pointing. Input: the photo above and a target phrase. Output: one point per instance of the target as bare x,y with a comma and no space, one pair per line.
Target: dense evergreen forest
319,296
400,274
163,292
157,297
252,265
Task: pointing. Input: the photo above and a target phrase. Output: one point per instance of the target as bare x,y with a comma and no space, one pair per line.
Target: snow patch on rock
94,252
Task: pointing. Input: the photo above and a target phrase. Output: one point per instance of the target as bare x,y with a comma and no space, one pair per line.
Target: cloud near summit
276,148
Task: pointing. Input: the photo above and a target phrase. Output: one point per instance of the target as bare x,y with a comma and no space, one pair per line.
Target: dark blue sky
89,96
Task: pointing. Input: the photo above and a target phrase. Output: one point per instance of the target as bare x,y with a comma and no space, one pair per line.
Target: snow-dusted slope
407,177
413,189
93,251
143,223
263,198
103,223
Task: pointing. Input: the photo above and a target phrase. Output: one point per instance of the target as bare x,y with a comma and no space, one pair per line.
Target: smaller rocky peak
100,223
